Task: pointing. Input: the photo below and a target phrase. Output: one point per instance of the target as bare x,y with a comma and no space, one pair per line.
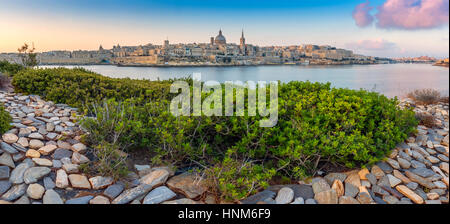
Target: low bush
10,69
233,180
5,120
79,87
425,96
426,120
317,124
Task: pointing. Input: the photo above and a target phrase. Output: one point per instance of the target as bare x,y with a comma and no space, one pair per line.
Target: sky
385,28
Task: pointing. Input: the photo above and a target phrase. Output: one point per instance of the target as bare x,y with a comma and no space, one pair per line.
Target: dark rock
61,153
114,190
258,197
80,200
4,172
385,167
4,186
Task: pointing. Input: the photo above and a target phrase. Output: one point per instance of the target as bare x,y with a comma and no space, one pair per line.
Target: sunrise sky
390,28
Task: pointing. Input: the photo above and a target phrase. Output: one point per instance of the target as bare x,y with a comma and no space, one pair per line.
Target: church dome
220,39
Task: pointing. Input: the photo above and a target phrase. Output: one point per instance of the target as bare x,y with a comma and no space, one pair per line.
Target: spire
242,33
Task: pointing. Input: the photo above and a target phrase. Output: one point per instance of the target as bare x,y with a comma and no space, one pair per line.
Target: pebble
80,200
51,197
114,190
33,174
35,191
100,182
159,195
101,200
284,196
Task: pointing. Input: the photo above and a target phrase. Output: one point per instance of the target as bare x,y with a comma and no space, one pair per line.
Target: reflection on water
391,79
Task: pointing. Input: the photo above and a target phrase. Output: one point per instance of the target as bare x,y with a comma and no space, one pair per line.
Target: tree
27,55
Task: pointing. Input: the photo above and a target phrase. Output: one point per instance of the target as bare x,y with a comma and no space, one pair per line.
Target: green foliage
316,124
79,87
10,69
5,119
233,180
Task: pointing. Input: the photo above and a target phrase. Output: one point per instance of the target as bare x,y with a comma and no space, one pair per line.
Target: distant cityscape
215,53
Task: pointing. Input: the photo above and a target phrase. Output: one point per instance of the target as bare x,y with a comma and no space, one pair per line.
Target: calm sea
389,79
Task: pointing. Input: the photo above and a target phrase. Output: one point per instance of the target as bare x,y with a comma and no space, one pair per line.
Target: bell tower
242,44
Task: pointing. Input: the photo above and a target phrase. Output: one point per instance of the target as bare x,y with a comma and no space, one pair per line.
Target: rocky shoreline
40,160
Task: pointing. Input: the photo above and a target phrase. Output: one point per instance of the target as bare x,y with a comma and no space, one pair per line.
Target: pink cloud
372,45
413,14
404,14
362,15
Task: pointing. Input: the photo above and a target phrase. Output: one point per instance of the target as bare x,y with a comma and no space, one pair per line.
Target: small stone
188,184
47,150
31,153
18,173
420,180
423,172
331,177
412,185
364,196
79,147
385,167
405,164
353,179
4,186
417,164
36,144
319,185
23,142
114,190
100,200
362,174
14,193
61,153
80,200
70,168
393,163
158,195
284,196
4,172
7,160
131,194
36,136
7,148
444,167
183,201
51,197
24,200
393,180
371,178
42,162
390,199
310,201
377,172
77,158
57,163
33,174
433,196
410,194
443,157
348,200
62,180
326,197
433,202
10,138
433,159
48,183
298,201
351,190
338,186
402,177
100,182
79,181
35,191
440,185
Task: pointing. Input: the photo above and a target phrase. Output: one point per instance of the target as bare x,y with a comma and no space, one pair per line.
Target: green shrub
5,119
79,87
10,69
233,180
316,124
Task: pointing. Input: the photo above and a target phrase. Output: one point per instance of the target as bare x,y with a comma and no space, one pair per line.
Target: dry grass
425,96
426,120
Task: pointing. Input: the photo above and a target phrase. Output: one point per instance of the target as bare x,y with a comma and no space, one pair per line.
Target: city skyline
65,25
